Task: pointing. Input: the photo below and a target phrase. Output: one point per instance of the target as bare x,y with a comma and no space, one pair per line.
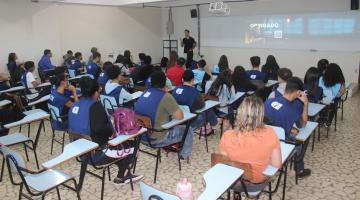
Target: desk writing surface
305,132
315,108
122,138
174,122
208,105
4,102
28,119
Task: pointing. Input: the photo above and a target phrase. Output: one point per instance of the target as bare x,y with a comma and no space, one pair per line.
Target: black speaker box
354,4
193,13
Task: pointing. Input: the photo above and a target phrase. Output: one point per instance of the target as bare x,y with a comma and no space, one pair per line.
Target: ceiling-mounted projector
219,9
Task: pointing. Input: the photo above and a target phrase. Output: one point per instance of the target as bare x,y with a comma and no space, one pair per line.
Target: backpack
125,121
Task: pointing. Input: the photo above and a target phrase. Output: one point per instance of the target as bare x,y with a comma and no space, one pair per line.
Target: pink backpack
125,122
184,189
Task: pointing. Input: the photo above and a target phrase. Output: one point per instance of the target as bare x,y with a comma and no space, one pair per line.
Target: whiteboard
331,31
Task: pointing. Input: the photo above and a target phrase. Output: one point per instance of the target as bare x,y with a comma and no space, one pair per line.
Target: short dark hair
47,51
188,75
141,56
181,61
322,65
96,55
77,54
28,65
106,65
284,73
56,80
113,72
69,52
255,61
88,86
187,30
147,60
158,79
294,84
202,63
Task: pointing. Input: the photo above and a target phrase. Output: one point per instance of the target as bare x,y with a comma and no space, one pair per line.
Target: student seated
175,72
283,75
240,81
189,96
257,77
60,100
76,63
201,76
333,85
88,117
145,70
322,65
311,84
160,106
114,88
285,111
45,62
94,69
251,142
148,81
103,77
67,58
270,68
15,69
141,59
29,82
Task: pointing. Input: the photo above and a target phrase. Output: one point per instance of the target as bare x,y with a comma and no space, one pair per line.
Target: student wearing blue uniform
94,69
201,76
255,74
189,96
283,75
311,85
88,117
114,87
60,100
333,85
103,77
148,81
240,81
45,62
160,106
287,110
76,62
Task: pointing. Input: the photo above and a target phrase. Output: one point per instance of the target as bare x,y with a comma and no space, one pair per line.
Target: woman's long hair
223,78
223,63
250,114
239,79
333,75
173,58
311,81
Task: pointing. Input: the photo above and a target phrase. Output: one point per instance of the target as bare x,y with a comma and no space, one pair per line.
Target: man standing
189,44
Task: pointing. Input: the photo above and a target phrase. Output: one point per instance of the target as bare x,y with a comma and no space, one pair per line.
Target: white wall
29,28
297,61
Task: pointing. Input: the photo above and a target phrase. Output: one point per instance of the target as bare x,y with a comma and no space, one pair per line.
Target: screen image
336,31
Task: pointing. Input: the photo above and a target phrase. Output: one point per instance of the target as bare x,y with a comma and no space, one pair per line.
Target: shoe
304,173
125,180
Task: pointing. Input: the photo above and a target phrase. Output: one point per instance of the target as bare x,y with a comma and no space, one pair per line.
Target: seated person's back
252,143
201,76
28,80
93,69
175,72
283,75
255,74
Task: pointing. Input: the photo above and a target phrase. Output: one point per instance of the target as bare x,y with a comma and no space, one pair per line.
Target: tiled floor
335,165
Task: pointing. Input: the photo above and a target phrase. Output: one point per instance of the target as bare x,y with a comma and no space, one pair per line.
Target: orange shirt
254,148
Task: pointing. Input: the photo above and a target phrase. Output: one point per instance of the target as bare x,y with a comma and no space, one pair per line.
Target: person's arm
48,64
304,117
74,93
99,121
171,107
276,157
194,45
342,90
3,77
182,42
178,114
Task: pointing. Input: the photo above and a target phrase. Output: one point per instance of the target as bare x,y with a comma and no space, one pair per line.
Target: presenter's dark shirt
188,44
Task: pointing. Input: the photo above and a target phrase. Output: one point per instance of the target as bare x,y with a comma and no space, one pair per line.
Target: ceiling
160,3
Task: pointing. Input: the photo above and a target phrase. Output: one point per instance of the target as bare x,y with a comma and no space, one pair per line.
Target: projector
219,9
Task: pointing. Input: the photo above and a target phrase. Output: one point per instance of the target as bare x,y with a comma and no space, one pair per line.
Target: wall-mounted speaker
193,13
354,4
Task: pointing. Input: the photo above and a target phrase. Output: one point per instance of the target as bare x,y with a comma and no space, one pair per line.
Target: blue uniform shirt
103,78
284,113
76,64
59,101
79,116
93,70
255,75
185,95
149,102
45,63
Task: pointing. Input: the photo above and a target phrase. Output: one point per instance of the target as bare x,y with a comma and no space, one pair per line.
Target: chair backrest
219,158
15,164
279,132
150,193
109,102
72,73
55,113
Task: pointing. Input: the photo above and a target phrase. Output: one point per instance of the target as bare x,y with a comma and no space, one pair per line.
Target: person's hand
294,131
303,97
72,88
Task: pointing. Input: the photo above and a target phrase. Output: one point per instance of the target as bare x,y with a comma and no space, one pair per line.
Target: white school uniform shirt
225,95
124,95
29,79
280,89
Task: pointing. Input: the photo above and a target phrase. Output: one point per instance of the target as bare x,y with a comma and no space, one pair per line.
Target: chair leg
28,130
270,193
2,169
135,161
76,189
43,196
342,110
319,134
26,153
35,155
52,141
20,191
206,139
157,163
131,181
284,185
102,184
108,170
179,161
58,193
63,142
20,128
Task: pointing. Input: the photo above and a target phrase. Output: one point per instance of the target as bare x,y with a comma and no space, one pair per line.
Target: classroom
179,99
